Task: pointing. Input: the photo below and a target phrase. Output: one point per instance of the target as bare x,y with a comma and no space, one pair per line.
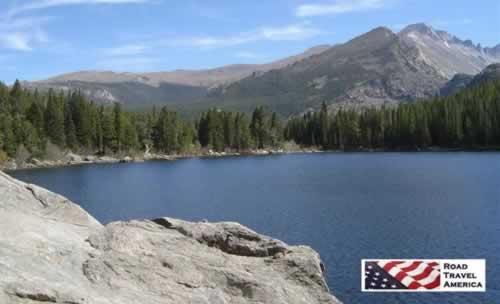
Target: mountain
461,81
448,54
490,73
375,68
133,94
378,67
457,83
175,87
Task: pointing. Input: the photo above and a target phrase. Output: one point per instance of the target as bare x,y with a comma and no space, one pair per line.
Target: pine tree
324,125
108,132
70,129
16,97
118,125
54,120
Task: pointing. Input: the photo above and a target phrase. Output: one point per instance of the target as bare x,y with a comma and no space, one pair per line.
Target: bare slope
447,53
375,68
162,88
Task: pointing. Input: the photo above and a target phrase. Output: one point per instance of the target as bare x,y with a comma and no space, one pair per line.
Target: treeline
31,122
468,119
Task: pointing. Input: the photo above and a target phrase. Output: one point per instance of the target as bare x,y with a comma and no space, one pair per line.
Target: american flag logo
397,275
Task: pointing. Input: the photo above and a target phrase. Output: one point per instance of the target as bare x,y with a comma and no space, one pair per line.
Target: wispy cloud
22,31
125,50
136,57
294,32
248,55
337,7
43,4
128,63
441,22
437,23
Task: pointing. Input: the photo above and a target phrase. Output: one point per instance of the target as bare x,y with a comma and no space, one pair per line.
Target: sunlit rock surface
52,251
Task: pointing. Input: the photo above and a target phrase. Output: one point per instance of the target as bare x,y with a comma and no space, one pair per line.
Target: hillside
461,81
375,68
448,54
140,90
378,67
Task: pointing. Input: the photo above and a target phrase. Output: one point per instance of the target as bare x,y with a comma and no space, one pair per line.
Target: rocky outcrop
52,251
445,52
490,73
457,83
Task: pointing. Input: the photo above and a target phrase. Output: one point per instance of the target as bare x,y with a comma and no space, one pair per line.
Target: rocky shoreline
72,159
52,251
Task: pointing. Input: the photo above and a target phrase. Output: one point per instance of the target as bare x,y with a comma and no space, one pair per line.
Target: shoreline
72,159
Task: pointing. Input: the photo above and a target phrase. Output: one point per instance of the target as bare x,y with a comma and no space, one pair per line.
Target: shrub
3,156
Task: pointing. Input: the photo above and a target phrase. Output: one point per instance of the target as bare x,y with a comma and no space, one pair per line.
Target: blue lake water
347,206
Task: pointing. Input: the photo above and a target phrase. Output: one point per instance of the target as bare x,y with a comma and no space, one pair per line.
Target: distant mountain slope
457,83
176,87
375,68
447,53
461,81
227,74
134,95
490,73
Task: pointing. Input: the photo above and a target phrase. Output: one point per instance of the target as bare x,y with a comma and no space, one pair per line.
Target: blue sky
42,38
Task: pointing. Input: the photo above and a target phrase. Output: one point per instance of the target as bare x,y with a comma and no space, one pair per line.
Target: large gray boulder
52,251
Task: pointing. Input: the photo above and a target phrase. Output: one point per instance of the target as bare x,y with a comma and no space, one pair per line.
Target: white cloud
129,57
22,33
437,23
337,7
42,4
248,55
443,23
295,32
126,50
128,64
15,41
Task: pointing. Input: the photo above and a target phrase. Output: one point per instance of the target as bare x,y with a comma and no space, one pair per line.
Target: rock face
447,53
462,81
490,73
457,83
375,68
52,251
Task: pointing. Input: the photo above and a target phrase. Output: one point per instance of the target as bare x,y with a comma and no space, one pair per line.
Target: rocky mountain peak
422,28
374,39
419,30
380,32
448,54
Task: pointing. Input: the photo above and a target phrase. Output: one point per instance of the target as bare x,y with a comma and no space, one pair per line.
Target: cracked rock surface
52,251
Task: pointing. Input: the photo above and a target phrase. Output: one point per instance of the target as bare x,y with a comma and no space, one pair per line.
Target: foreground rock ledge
52,251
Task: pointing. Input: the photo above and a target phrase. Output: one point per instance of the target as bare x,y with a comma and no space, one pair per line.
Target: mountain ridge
202,77
446,52
377,67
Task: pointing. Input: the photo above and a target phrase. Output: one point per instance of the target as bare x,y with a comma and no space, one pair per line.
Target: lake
347,206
